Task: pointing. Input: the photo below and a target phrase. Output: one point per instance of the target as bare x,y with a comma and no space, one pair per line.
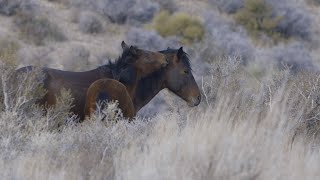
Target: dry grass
236,133
253,122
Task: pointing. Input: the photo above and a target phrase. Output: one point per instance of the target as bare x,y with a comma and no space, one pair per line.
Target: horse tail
107,90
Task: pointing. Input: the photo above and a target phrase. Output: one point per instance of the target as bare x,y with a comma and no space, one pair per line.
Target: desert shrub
257,17
9,51
108,112
37,29
279,20
134,12
314,2
116,11
90,23
57,1
294,56
189,28
230,7
21,91
77,59
11,7
296,21
304,86
149,39
8,7
223,38
142,12
59,116
168,5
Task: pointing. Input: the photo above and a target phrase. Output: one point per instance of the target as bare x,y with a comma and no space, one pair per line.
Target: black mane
118,67
185,57
157,74
149,83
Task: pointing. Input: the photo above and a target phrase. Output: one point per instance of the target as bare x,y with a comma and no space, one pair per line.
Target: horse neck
132,87
147,88
104,71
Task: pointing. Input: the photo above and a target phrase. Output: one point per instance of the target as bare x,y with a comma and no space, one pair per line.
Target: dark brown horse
132,60
109,89
177,77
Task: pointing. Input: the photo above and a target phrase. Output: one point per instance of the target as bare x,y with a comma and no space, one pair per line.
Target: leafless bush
21,90
168,5
314,2
229,7
90,23
129,10
77,59
11,7
59,115
37,29
150,39
296,20
9,51
20,93
59,1
225,39
142,12
305,86
108,112
294,55
134,12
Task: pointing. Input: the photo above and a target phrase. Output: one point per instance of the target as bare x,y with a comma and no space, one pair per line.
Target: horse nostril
196,100
199,98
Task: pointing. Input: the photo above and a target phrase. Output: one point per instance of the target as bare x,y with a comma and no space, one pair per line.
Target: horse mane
149,82
185,57
118,66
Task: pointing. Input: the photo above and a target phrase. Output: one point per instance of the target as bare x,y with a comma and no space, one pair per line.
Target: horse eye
186,71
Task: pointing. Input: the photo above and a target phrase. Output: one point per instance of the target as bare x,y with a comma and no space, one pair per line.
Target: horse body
79,82
177,77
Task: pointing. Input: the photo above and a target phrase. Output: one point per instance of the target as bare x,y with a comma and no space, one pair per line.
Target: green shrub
189,28
257,17
37,29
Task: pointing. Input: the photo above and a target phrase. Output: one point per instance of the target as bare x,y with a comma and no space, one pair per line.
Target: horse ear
124,45
133,50
132,56
168,48
180,53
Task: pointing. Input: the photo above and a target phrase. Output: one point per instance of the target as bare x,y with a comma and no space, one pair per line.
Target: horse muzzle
195,101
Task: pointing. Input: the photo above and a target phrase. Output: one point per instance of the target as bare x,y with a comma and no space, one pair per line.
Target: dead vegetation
259,118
